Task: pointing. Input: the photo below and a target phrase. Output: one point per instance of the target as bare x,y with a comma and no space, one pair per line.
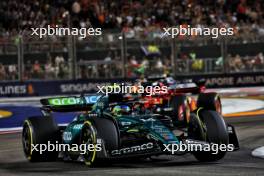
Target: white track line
10,129
235,105
258,152
19,129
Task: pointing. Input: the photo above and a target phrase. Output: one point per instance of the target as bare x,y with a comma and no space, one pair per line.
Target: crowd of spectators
189,64
155,65
136,17
111,68
57,69
243,64
8,72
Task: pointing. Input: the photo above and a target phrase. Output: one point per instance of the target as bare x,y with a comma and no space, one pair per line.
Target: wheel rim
88,137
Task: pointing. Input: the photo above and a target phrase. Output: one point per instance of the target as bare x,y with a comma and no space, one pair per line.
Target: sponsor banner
44,88
16,89
229,80
236,81
41,88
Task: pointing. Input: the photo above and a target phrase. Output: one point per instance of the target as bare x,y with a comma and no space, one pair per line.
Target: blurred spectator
108,57
197,65
63,71
2,72
37,71
12,72
159,67
259,61
59,60
27,70
132,66
238,63
50,71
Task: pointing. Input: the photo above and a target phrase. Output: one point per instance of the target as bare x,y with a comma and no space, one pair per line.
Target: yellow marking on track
249,113
5,114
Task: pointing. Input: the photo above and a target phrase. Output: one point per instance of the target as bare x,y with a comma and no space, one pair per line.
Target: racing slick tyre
210,101
102,128
208,126
88,137
37,132
106,127
180,110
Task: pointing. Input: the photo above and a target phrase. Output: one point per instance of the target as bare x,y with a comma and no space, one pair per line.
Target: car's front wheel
209,126
88,137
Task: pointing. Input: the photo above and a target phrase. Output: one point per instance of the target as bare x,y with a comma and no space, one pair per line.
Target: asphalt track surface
250,132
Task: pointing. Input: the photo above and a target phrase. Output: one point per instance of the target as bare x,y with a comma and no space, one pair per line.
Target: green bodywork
133,123
146,124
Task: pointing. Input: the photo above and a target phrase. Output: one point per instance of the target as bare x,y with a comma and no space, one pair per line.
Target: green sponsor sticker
65,101
73,100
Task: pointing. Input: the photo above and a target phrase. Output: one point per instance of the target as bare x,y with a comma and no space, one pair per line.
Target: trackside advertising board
36,88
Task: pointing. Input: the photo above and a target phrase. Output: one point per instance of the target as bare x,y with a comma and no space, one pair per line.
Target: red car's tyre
210,101
180,110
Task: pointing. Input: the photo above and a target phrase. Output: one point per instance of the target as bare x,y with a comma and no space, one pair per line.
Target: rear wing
69,104
191,86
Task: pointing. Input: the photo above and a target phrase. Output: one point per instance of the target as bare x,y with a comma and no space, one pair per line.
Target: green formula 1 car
110,127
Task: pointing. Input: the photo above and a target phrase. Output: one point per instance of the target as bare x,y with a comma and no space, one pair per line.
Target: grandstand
128,27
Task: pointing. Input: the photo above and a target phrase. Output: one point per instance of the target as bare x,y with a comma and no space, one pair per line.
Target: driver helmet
121,110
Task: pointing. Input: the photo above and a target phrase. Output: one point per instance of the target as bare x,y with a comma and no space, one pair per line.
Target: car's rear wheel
180,110
210,127
39,131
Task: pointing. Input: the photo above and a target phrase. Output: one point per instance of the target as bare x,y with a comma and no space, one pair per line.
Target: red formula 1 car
181,100
181,97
